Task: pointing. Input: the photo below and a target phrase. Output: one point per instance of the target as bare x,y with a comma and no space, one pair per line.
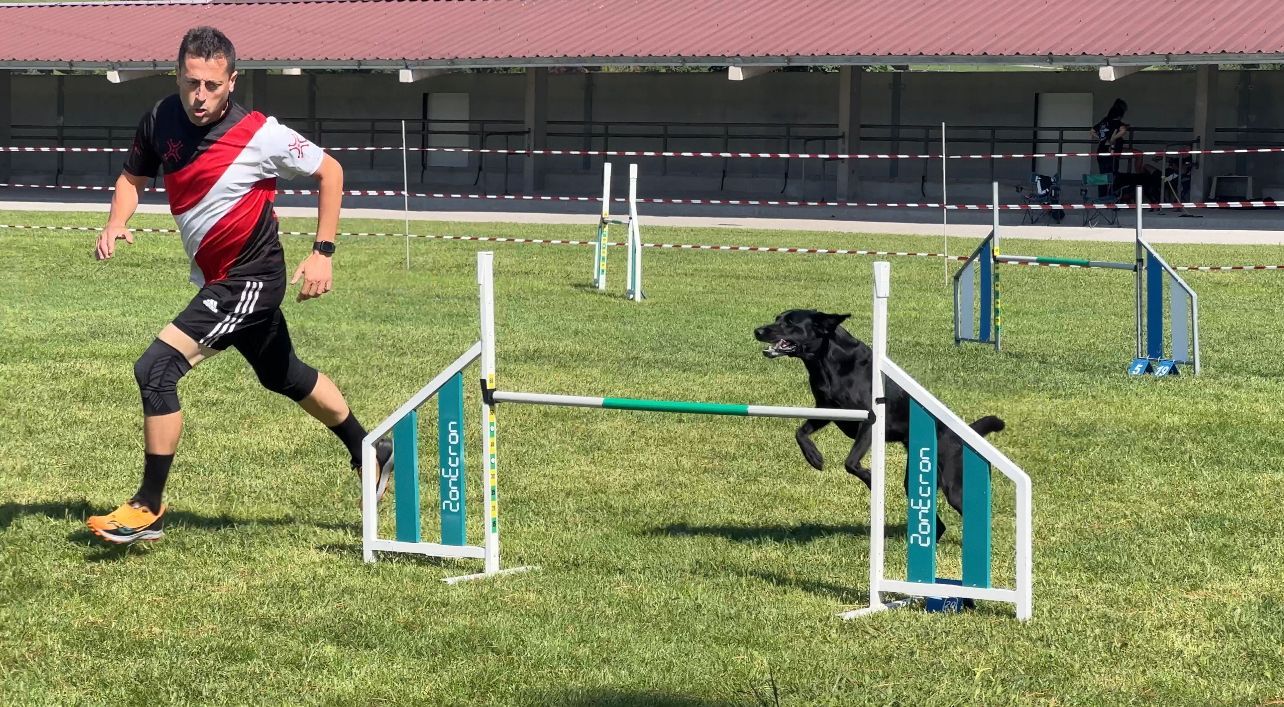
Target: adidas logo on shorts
211,304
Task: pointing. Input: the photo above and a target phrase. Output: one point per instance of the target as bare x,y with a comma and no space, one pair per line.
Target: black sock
155,473
350,432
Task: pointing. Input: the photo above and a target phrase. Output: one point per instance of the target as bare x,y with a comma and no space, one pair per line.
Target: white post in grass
945,219
369,501
490,502
878,444
1138,268
603,228
994,200
405,190
635,239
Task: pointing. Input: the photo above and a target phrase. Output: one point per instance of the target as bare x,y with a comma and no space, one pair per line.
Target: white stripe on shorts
244,307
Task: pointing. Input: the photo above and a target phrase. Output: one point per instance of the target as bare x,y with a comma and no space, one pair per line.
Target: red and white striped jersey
221,181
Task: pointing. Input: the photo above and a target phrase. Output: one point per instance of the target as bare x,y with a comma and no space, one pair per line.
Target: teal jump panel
977,510
986,260
1154,307
1179,320
966,294
405,453
921,519
450,455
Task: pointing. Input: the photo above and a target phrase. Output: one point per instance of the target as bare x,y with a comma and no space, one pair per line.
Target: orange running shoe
129,524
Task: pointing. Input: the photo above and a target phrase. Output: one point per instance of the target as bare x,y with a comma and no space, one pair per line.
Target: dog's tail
988,424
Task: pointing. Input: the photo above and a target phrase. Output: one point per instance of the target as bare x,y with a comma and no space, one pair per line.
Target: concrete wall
1247,99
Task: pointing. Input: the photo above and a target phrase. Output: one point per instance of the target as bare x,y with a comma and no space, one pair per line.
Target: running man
221,163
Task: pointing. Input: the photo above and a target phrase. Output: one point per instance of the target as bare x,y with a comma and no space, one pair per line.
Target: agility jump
978,306
633,243
927,413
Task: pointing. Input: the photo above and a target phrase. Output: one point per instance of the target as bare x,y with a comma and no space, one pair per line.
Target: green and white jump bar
633,243
645,405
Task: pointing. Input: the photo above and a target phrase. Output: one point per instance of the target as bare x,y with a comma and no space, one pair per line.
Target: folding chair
1101,208
1044,190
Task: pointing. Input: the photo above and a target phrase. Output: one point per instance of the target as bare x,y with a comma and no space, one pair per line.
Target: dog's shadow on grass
630,698
787,534
77,510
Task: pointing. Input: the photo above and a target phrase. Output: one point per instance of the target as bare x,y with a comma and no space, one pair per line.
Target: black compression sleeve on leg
350,432
157,372
155,474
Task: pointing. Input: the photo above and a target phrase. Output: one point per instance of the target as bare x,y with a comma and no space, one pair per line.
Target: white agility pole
405,190
634,289
603,228
1138,268
945,219
878,443
489,466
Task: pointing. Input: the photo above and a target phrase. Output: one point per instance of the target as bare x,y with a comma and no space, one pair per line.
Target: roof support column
6,121
536,127
314,128
1205,124
849,110
252,91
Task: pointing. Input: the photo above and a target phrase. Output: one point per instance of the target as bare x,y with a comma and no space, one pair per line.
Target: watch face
323,247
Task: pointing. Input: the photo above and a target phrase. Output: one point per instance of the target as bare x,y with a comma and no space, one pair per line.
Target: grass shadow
854,595
79,509
630,698
792,534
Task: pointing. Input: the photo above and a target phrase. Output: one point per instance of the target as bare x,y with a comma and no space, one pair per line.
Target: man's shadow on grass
77,510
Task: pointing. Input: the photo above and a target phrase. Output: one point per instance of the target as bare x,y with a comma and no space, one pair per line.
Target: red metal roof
396,33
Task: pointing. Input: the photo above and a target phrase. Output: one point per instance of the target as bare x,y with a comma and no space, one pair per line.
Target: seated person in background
1109,133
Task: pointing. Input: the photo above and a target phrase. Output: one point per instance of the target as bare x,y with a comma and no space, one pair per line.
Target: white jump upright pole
1137,276
945,219
405,190
603,227
878,444
634,290
490,491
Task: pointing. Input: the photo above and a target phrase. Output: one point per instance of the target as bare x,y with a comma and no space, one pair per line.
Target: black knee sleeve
295,382
157,372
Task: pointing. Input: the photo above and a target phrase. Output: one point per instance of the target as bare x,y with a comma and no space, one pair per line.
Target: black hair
1117,109
207,43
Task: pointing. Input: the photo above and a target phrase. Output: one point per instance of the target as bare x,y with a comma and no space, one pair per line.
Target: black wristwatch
324,247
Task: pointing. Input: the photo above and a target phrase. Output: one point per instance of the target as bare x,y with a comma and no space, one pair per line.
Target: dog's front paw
813,456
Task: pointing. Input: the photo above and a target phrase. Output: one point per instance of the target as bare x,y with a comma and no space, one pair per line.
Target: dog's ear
829,322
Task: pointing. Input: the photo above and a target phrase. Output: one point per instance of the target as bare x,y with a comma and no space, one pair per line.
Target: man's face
205,86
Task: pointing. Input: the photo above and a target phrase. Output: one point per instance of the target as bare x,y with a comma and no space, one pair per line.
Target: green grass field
685,560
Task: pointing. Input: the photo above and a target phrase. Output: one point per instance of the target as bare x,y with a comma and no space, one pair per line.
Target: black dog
838,371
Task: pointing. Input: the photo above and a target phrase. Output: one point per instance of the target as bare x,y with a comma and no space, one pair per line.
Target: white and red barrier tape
735,155
1249,204
663,246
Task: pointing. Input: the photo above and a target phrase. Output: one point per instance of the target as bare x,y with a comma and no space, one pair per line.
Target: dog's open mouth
783,347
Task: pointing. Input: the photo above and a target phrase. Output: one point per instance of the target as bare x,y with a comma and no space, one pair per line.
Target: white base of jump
878,608
470,552
488,575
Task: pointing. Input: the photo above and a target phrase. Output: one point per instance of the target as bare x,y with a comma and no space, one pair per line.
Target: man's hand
315,272
107,241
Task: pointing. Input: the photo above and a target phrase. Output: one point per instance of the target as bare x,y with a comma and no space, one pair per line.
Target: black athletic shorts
241,313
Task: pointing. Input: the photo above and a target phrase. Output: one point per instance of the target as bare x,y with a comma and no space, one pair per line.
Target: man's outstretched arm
124,201
315,270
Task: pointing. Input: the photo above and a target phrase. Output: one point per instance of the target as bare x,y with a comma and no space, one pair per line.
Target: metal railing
778,137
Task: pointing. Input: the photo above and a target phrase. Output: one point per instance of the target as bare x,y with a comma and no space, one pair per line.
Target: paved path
1238,228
